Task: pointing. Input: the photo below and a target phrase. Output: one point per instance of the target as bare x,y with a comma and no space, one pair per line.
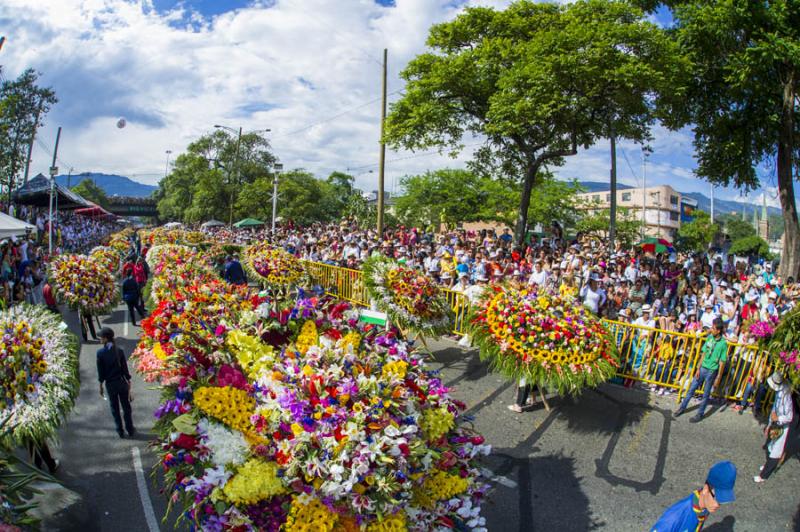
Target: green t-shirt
714,352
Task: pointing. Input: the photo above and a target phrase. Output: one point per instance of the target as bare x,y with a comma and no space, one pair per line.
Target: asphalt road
612,459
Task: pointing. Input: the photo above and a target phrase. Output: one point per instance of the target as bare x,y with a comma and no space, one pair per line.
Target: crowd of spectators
23,259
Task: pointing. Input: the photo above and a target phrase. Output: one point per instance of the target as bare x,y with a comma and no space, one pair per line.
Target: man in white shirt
538,275
592,296
631,273
708,317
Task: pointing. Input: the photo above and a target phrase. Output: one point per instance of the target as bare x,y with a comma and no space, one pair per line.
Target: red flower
184,441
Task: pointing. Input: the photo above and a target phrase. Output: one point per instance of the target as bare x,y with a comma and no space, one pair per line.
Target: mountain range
112,184
721,206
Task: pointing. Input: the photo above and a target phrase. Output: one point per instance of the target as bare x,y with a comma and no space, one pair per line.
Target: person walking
132,296
234,273
777,430
112,370
690,514
712,366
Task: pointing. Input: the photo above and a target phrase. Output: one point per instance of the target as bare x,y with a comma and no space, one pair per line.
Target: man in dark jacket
132,296
112,369
234,273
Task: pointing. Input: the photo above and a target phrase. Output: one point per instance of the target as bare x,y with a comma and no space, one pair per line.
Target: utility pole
382,160
53,172
646,150
612,228
236,181
712,204
278,167
166,166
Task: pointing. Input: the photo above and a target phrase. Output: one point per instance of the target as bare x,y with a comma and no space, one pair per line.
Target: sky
307,70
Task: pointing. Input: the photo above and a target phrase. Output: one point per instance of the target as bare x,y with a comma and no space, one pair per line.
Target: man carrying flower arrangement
712,366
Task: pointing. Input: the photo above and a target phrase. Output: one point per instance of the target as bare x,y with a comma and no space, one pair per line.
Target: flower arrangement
38,373
84,283
782,346
120,241
763,330
292,415
547,339
107,257
168,254
410,300
273,267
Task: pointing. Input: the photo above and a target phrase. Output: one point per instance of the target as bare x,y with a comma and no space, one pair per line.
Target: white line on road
507,482
144,495
125,327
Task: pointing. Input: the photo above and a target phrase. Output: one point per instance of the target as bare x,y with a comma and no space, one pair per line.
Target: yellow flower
395,369
438,487
310,516
436,422
308,337
253,354
255,481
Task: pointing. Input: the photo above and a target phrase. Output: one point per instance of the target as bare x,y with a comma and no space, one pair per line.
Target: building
762,225
663,211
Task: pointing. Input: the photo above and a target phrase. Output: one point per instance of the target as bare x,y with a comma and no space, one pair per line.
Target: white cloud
282,65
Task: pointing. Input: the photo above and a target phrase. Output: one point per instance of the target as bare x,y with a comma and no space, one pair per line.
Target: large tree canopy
23,106
537,80
742,100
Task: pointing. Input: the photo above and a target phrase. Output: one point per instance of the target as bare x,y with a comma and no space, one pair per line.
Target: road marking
144,495
500,479
125,327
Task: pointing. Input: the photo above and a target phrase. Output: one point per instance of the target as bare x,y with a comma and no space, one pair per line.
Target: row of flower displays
291,414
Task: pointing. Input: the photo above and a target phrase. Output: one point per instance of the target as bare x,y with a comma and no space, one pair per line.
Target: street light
166,167
236,160
278,167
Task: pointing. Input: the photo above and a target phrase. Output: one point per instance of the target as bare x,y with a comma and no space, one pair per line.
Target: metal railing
666,359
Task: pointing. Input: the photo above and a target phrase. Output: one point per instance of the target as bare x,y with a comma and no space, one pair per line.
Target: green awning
248,222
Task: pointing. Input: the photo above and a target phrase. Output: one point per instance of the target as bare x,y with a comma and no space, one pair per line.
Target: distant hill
113,185
703,202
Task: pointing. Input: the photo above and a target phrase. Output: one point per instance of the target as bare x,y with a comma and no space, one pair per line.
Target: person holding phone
112,370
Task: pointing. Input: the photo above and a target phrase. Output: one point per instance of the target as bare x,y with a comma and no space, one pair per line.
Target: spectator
712,366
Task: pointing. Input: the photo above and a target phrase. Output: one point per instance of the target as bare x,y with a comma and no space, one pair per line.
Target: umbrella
212,223
656,245
248,222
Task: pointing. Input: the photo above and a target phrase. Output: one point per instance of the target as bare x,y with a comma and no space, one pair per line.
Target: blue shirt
683,516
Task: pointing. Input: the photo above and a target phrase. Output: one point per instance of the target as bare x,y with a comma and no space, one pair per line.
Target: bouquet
762,330
410,300
107,257
119,241
547,339
39,377
273,267
294,416
782,346
84,284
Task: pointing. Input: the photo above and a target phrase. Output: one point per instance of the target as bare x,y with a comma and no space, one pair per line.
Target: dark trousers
118,394
88,322
41,454
137,305
523,392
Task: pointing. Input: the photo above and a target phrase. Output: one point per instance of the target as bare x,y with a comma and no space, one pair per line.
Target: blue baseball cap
722,477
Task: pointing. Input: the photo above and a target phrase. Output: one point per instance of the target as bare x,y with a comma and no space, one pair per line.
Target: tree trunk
524,203
790,256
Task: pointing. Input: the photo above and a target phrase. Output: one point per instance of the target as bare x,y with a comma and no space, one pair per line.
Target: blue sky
309,70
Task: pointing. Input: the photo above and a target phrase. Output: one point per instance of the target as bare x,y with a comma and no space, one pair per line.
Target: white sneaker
758,480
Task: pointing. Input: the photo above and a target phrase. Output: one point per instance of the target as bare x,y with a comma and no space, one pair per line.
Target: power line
625,156
334,117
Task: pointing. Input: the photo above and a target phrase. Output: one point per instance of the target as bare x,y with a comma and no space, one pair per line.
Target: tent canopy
173,225
10,226
37,192
248,222
94,210
212,223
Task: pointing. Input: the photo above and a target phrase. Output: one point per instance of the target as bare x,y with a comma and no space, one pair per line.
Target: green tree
743,97
555,200
751,246
736,228
89,190
595,223
537,80
208,180
698,234
23,106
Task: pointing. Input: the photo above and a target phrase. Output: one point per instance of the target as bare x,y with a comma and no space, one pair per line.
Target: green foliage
785,341
750,246
89,190
21,100
212,175
596,223
698,234
538,80
736,228
742,96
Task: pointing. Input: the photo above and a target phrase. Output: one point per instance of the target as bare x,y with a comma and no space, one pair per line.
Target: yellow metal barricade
666,359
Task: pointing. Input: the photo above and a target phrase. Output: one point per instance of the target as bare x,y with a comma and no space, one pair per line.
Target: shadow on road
547,496
726,525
